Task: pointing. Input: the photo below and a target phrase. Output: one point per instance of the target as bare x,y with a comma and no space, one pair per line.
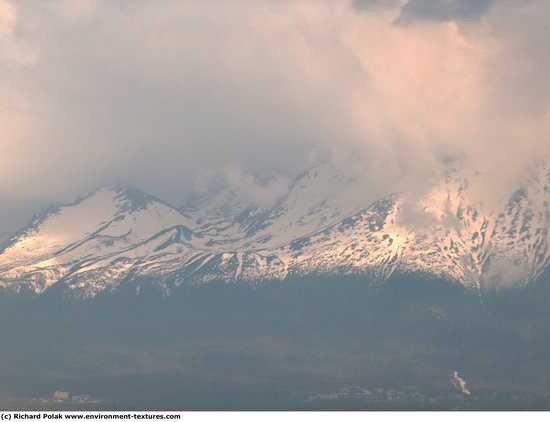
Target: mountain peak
321,225
103,225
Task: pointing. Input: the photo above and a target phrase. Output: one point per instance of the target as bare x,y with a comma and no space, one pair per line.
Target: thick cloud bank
157,94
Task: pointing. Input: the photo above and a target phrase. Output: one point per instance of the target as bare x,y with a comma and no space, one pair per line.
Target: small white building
61,395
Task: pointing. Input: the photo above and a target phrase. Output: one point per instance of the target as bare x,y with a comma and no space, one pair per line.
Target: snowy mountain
119,236
316,199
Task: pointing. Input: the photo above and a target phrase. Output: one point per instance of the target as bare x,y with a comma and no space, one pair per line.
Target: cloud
7,19
442,10
262,191
155,94
504,274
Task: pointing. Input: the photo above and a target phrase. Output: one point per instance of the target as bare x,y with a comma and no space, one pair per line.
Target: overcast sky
158,94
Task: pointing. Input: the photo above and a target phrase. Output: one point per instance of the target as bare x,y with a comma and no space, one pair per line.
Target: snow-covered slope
95,230
316,199
322,225
442,232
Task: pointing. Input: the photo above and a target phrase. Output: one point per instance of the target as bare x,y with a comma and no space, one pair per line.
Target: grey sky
158,94
443,10
367,5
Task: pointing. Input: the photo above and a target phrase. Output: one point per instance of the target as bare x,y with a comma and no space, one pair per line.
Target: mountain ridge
117,235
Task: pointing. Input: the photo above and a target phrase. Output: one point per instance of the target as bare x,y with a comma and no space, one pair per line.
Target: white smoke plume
460,384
